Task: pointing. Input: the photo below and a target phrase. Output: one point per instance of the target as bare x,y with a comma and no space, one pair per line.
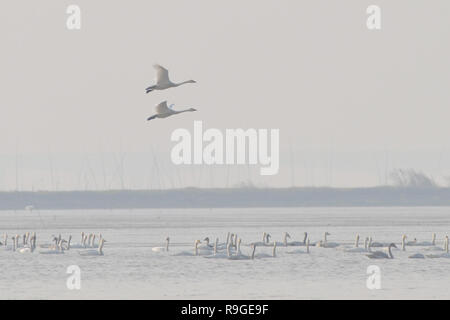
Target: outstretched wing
162,108
162,75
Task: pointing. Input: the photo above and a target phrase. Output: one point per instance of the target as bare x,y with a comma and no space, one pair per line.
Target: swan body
325,243
381,254
423,243
417,256
162,249
55,250
163,111
446,254
162,80
299,243
26,250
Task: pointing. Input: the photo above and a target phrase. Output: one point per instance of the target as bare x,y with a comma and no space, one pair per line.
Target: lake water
129,269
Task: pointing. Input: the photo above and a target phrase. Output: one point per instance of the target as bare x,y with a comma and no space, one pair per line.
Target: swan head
191,81
327,233
192,109
288,235
392,245
167,239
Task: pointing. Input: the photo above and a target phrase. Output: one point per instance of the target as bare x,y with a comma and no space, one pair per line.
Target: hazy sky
350,103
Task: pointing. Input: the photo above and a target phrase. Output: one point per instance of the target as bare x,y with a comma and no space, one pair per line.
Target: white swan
162,80
162,249
383,255
220,255
357,248
55,250
163,111
50,245
423,243
29,248
299,243
98,252
238,255
189,253
325,243
441,255
206,245
82,243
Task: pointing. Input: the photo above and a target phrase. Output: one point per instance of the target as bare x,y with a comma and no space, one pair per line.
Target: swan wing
162,108
162,75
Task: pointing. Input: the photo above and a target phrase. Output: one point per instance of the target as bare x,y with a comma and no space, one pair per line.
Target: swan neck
390,252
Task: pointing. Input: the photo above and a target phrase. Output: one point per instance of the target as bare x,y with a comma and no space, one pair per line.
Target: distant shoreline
227,198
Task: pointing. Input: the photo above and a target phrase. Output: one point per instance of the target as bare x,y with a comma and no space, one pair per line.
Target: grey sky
354,103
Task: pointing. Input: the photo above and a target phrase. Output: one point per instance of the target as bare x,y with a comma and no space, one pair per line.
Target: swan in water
357,248
404,242
162,80
325,243
163,111
299,243
206,246
50,245
223,245
441,255
299,251
238,254
424,243
29,248
55,250
383,255
189,253
162,249
220,255
82,243
379,244
264,255
98,252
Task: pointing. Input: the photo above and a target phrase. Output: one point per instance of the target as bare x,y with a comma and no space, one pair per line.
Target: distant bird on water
162,80
163,111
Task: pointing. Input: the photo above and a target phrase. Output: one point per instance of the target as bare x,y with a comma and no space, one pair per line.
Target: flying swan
162,80
163,111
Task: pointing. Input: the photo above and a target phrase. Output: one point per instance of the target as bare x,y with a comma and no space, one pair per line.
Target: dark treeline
220,198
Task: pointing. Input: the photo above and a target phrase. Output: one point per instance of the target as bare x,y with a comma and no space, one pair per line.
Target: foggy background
351,104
